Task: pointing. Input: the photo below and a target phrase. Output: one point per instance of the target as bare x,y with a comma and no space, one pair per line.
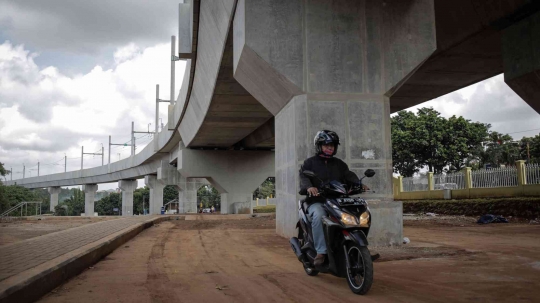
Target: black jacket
327,170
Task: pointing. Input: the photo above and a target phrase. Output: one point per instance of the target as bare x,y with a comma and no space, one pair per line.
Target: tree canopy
426,139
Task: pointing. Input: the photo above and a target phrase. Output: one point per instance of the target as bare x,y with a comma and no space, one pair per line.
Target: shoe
319,260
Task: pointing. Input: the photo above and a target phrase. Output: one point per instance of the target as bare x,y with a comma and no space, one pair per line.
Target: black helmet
325,137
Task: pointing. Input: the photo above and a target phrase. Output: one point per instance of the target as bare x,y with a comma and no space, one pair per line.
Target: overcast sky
74,72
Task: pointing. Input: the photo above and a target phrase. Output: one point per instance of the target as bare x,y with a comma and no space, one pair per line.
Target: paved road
20,256
244,261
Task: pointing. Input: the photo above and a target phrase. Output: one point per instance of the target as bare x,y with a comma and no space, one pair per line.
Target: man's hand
364,187
313,191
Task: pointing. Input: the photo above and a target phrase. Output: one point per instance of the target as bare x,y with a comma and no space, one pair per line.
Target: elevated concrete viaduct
263,76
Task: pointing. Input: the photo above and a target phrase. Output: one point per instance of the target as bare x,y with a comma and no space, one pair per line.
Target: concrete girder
127,187
521,54
89,197
54,191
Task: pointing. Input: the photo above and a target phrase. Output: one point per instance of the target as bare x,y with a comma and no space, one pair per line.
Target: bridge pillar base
54,191
363,124
89,195
127,187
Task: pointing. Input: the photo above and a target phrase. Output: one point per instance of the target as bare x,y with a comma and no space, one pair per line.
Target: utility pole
157,106
38,169
133,132
125,144
23,170
65,163
173,59
11,172
83,153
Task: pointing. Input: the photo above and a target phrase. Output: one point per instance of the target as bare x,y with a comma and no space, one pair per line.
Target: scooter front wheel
360,269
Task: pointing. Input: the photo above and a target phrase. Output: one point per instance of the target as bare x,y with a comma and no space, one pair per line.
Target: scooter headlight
348,219
364,219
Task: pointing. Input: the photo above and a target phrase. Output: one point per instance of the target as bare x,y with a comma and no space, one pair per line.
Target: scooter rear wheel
360,270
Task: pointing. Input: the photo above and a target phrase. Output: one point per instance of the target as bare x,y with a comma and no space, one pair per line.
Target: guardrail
520,180
23,207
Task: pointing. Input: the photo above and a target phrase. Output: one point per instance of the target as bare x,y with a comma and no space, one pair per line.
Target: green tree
105,206
12,195
208,196
500,149
532,152
3,171
75,203
403,147
428,140
464,142
267,189
139,195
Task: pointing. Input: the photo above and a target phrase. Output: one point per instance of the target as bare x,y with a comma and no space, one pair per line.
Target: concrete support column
323,65
521,44
363,124
156,194
54,191
89,196
187,194
127,187
235,174
237,203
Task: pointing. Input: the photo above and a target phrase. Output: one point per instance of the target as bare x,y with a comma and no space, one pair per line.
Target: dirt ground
448,259
15,231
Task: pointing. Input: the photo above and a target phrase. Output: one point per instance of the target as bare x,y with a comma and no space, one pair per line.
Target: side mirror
369,173
309,174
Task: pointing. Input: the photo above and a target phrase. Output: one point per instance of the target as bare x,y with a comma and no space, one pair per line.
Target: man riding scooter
327,167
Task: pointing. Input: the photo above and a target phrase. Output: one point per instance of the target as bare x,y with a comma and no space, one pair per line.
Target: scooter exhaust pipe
295,245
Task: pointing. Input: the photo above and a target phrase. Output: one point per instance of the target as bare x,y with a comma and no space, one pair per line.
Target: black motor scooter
345,232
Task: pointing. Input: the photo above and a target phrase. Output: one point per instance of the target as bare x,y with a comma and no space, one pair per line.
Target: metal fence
449,181
415,183
495,177
533,173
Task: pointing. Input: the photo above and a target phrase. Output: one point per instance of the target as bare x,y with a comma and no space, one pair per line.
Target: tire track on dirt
157,278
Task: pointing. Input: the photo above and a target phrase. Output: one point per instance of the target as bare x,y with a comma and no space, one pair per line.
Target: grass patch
522,207
264,209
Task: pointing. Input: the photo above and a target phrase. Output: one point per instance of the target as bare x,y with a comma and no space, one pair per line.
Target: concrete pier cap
235,174
332,65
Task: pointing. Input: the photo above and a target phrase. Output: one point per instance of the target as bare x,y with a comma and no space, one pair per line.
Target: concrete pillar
521,42
521,172
54,191
332,65
156,194
431,186
89,197
127,187
235,174
188,201
467,177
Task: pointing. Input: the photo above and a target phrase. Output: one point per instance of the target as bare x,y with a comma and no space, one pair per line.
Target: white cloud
490,101
44,114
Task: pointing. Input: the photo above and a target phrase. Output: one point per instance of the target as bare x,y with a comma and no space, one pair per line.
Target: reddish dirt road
245,261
